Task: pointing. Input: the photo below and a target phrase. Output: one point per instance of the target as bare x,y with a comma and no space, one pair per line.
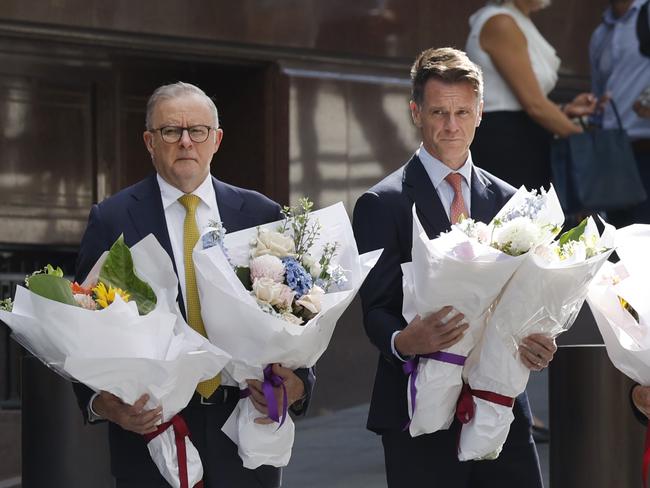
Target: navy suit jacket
136,212
383,219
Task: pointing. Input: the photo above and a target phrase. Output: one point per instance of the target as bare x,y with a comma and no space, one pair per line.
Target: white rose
276,294
275,243
312,300
267,266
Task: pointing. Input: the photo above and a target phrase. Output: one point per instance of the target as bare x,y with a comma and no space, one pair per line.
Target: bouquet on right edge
543,296
466,268
619,303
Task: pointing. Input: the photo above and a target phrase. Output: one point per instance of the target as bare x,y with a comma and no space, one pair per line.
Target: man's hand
431,334
129,417
293,384
536,351
641,399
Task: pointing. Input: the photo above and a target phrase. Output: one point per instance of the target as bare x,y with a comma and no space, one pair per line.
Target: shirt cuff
92,415
394,349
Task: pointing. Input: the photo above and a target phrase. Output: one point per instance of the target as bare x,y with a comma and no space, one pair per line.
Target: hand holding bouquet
543,296
467,269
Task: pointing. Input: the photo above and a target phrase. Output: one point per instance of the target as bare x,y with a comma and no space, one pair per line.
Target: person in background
520,70
620,72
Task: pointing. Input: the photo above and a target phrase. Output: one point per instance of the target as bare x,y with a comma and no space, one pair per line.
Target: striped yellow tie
190,236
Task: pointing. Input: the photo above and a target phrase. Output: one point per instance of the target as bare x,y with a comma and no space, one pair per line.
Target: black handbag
596,170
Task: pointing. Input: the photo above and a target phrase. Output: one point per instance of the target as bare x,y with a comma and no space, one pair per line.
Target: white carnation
267,266
517,236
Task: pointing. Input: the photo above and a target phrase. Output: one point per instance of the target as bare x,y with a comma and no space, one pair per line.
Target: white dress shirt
437,172
175,218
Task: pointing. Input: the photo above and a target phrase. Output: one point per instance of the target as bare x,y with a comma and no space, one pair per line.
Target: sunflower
104,297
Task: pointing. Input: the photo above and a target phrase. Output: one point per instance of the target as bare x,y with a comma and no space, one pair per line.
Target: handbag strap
618,116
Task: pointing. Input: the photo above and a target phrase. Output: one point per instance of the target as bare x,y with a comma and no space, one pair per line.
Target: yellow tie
190,236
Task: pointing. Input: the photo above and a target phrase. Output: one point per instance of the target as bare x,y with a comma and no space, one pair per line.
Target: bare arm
502,39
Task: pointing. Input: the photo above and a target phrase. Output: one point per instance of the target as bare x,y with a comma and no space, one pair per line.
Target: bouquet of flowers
543,296
273,294
120,331
466,268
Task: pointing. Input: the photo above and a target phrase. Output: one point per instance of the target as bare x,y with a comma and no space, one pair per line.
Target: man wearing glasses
182,135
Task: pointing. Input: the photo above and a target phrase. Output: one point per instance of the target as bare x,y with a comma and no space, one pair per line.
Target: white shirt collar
438,170
170,194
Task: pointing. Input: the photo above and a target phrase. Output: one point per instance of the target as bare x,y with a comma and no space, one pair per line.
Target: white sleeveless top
497,93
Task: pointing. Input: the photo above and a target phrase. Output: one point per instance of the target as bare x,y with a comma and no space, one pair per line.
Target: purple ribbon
271,380
410,368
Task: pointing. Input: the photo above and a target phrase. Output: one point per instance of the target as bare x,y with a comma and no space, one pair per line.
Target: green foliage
6,305
304,232
574,234
118,272
53,287
244,275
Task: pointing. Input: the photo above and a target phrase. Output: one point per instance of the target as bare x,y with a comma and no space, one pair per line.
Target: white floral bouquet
466,268
543,296
618,300
273,294
120,331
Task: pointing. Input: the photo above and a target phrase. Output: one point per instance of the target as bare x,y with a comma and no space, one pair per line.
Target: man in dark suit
182,136
443,183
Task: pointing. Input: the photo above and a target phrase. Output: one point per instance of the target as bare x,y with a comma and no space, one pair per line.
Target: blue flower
298,279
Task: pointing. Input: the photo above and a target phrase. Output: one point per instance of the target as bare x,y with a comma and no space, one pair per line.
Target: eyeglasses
173,133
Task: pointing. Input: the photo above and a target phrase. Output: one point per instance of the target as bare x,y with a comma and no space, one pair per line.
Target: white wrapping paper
119,351
234,321
455,270
542,297
627,341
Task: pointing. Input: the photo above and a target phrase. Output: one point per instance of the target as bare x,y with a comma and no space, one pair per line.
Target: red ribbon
181,431
465,405
646,457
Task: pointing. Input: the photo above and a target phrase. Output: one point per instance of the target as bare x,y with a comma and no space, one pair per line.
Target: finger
440,314
529,364
452,338
453,325
282,371
540,344
140,403
260,407
255,384
147,418
263,420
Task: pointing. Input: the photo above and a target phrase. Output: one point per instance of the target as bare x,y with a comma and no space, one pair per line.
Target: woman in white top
520,69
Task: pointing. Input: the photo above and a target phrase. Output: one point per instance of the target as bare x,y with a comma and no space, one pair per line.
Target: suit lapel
418,185
483,201
148,217
230,204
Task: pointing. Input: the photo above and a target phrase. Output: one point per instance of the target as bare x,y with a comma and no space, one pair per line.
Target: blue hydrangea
298,279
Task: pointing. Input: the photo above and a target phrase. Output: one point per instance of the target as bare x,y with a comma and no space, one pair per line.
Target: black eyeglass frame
180,134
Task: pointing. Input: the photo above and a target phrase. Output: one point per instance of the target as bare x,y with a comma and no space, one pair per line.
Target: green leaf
575,233
52,287
244,275
118,272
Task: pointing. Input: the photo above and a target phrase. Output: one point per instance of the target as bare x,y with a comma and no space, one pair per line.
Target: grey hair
173,90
